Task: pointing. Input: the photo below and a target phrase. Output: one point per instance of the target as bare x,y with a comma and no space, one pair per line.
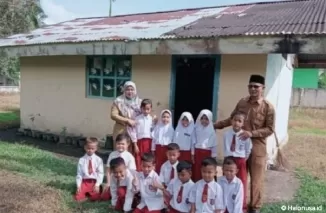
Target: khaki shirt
260,121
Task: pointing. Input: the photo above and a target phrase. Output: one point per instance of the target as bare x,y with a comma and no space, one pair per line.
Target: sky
63,10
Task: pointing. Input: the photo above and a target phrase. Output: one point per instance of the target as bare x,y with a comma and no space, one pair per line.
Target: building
183,60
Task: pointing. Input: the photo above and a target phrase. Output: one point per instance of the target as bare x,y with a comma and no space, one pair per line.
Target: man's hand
245,135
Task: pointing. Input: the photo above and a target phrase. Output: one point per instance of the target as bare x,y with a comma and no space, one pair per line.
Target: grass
47,169
9,110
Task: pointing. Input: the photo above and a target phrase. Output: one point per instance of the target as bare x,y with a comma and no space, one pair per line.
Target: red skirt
200,155
144,146
185,155
160,156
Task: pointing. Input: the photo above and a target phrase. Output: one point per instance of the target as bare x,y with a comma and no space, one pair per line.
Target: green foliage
322,81
17,16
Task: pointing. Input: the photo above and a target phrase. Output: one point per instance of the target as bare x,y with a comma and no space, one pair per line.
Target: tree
17,16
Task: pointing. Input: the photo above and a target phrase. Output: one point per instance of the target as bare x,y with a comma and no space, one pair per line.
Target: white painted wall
279,72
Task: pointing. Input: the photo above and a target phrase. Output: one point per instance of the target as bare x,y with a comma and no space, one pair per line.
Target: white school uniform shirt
162,134
151,198
165,172
204,137
82,169
174,188
215,200
232,193
144,126
130,190
127,157
182,135
242,147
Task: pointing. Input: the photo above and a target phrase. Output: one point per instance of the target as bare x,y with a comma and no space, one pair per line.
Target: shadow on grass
310,194
63,150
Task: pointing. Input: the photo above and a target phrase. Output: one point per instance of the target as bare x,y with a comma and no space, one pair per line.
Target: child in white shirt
232,187
121,146
204,141
179,189
239,150
143,132
123,186
90,173
162,136
182,135
151,197
207,195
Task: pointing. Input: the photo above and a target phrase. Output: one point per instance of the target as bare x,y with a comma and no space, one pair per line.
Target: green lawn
60,173
48,169
9,119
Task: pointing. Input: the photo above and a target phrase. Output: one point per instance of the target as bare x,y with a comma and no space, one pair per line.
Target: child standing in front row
90,173
207,195
204,141
162,136
144,125
121,150
179,189
232,187
239,150
182,135
124,184
151,197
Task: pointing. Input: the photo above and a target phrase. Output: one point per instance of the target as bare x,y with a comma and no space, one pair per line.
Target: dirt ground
9,102
19,194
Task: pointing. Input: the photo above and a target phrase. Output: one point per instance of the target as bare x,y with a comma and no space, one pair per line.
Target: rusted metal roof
301,17
267,18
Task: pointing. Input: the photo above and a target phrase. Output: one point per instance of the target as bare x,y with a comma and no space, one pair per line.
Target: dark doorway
194,83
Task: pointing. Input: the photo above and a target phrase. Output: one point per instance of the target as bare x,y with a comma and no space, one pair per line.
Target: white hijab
204,133
182,131
163,134
127,107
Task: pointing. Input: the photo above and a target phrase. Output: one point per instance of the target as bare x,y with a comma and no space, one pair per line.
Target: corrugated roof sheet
267,18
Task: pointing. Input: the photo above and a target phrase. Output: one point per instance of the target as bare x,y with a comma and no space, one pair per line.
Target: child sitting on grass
90,173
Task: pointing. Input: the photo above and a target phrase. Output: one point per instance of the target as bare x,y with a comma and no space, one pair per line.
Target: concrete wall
314,98
54,88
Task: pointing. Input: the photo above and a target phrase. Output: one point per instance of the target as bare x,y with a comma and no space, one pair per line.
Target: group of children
170,169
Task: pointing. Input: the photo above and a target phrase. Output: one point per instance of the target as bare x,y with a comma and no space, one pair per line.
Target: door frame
216,81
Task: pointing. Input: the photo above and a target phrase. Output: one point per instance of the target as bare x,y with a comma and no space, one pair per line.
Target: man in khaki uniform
259,124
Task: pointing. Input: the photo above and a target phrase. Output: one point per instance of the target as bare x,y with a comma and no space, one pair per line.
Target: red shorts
86,191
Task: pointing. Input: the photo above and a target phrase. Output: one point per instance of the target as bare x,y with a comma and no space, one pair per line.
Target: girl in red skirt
162,136
204,141
144,126
182,135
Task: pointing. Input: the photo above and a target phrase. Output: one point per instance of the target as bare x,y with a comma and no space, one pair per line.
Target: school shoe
254,211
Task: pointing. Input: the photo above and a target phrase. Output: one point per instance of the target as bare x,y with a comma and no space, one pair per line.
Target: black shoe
254,211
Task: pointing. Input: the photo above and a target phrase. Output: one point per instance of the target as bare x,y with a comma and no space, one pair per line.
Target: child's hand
193,158
134,181
155,119
131,122
136,148
78,190
156,185
106,188
96,189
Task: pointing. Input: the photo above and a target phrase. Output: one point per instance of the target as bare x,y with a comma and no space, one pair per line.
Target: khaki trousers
256,166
